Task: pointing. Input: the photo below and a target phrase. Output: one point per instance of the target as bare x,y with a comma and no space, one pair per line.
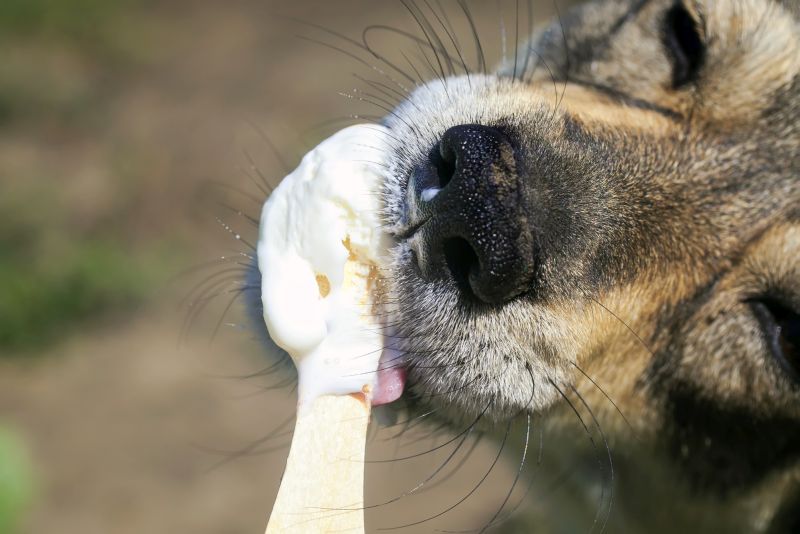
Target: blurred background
131,134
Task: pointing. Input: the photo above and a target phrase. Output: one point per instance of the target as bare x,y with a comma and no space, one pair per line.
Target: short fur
660,210
664,200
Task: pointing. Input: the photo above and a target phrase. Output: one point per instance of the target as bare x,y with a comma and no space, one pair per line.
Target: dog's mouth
461,222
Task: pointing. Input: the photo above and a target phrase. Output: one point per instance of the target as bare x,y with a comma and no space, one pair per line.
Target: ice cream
321,251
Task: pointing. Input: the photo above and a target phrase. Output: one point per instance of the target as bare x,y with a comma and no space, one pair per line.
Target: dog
601,237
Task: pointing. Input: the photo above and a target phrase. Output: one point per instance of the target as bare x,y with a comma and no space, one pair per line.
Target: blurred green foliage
33,86
59,63
56,275
43,298
75,19
16,480
57,56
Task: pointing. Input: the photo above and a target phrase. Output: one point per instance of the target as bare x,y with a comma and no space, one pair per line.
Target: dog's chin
464,362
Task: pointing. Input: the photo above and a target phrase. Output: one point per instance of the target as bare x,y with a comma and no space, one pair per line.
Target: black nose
469,196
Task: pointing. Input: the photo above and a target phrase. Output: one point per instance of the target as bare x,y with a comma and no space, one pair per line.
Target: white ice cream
320,252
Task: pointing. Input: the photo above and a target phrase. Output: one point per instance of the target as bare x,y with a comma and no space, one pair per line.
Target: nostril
461,259
445,163
467,204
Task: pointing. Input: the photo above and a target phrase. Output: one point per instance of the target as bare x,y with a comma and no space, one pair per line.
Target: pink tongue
391,378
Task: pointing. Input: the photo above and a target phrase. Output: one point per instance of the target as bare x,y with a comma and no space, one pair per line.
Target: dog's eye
684,44
781,326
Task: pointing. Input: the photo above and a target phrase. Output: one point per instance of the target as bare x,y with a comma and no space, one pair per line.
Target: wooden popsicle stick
322,489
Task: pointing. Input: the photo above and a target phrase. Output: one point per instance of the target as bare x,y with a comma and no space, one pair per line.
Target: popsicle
321,252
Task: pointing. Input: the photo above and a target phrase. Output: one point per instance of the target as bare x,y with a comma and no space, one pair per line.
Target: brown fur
680,205
662,192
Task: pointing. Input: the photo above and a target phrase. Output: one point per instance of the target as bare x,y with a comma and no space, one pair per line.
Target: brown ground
121,426
118,419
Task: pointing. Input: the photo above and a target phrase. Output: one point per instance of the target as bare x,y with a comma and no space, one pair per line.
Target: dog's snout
469,195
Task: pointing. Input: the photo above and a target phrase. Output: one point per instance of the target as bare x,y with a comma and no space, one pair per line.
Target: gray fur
673,209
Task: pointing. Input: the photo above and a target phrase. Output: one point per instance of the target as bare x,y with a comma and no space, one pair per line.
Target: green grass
55,279
60,62
60,55
36,83
45,298
16,480
84,20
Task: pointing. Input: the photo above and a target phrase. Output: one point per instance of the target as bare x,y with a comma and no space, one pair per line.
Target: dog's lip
416,209
408,231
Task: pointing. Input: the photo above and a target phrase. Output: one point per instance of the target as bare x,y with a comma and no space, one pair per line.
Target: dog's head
613,215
